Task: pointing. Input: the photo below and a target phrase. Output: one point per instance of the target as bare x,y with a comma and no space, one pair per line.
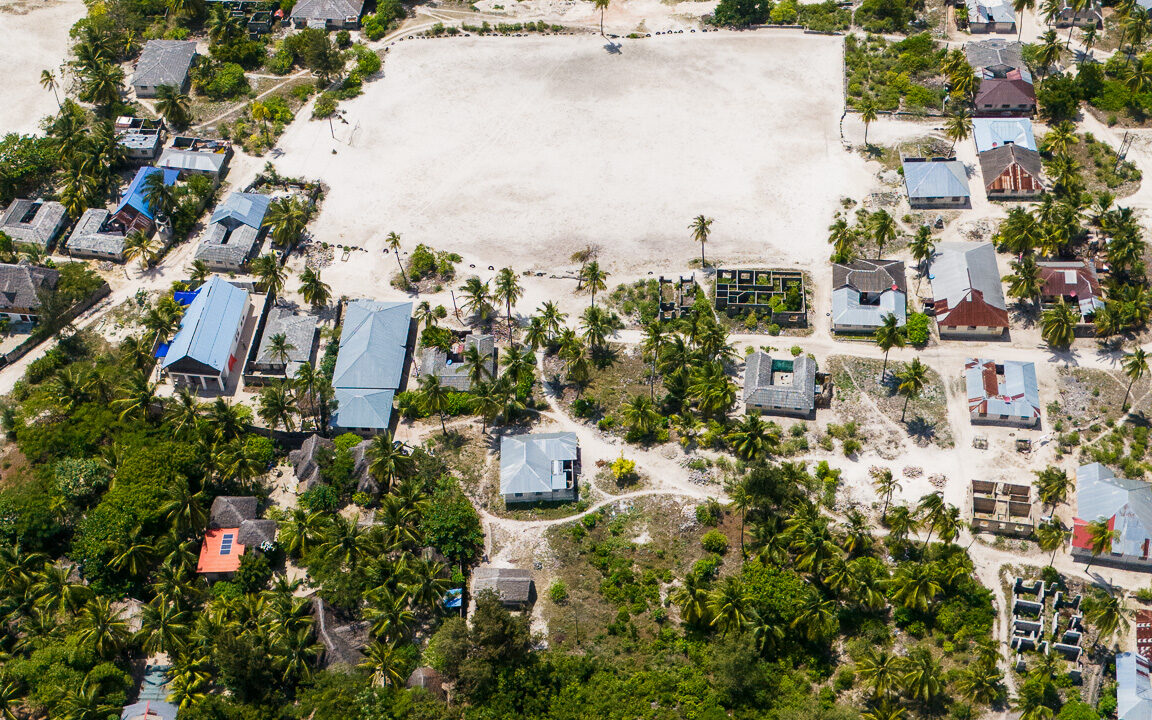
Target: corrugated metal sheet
242,208
1133,691
209,324
134,196
526,462
1100,494
1016,393
993,132
848,310
928,179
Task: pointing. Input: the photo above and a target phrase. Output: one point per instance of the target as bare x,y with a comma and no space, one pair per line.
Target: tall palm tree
711,389
477,299
137,246
922,247
101,629
958,126
1051,535
277,406
48,82
1058,324
594,278
139,396
886,484
280,348
601,5
508,289
914,586
1049,52
434,398
883,228
300,531
174,105
867,116
1020,6
54,590
923,677
1135,366
387,462
387,666
199,272
1024,283
881,671
1100,537
287,218
315,291
1108,614
640,414
729,605
392,242
888,335
270,273
479,364
752,438
1052,485
843,238
163,628
701,228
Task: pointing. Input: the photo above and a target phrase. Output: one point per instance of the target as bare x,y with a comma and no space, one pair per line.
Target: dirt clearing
33,38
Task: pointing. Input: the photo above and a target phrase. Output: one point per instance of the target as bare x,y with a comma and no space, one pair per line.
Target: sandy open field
33,38
521,150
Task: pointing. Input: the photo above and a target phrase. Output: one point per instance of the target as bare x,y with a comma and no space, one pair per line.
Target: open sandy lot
518,151
33,38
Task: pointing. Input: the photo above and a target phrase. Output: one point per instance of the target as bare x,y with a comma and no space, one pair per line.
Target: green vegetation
894,76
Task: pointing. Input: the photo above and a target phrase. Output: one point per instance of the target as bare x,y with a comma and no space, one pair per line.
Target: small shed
513,585
936,183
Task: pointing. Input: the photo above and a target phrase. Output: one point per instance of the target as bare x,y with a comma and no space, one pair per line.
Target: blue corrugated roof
993,132
370,364
242,208
935,179
134,196
185,297
210,323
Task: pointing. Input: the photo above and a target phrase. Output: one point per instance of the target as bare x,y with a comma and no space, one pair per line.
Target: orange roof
220,552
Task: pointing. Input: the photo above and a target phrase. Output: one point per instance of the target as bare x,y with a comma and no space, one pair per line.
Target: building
780,387
204,352
96,236
149,710
22,287
865,292
234,231
992,133
541,467
968,299
1011,96
1143,625
300,332
197,156
163,62
936,183
1012,172
141,139
1004,393
1127,507
1002,508
1075,281
451,368
135,213
995,57
1133,691
306,461
990,16
34,222
777,294
513,586
1090,15
327,14
221,551
370,364
428,679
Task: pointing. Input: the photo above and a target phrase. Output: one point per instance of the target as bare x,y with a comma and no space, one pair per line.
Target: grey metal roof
21,284
864,292
1128,503
335,10
455,374
993,132
363,408
223,246
229,511
1014,393
990,11
208,326
847,309
41,228
927,179
87,236
527,462
242,209
513,585
192,160
373,345
965,275
141,139
164,62
149,710
763,376
995,52
994,162
300,331
1133,691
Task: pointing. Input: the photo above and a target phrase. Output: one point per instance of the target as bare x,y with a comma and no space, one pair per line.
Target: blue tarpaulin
185,298
454,598
162,350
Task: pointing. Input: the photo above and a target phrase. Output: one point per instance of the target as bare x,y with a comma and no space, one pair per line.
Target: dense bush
388,12
221,82
451,525
886,16
739,13
714,541
916,328
893,75
28,161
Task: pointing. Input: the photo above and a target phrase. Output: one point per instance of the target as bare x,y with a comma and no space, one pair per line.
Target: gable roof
994,162
993,132
885,278
335,10
1014,392
149,710
20,285
46,222
513,585
134,196
89,237
990,11
1126,504
1010,91
242,209
527,462
1133,691
220,552
164,62
207,328
178,159
372,345
935,178
759,372
966,286
232,510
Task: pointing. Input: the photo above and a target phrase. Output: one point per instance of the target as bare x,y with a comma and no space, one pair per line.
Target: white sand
517,151
33,38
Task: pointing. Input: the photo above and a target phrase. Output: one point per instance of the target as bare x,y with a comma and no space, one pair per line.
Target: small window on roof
226,544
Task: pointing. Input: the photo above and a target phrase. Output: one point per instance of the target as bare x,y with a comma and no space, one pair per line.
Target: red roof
971,311
1056,277
220,552
1080,536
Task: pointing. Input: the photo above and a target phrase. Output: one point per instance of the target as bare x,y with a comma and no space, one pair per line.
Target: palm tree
137,246
881,671
163,628
477,298
958,126
84,702
509,290
713,392
1135,366
884,710
888,335
434,398
912,380
175,106
1137,78
388,667
1049,52
1100,536
914,586
387,462
270,273
593,278
101,629
1058,324
883,228
277,406
867,116
640,414
300,531
886,484
1051,536
1060,138
818,617
199,272
1020,6
922,247
287,217
315,291
1107,614
1052,485
392,242
729,605
479,364
185,509
280,348
752,438
601,5
53,590
1024,282
48,82
139,396
922,675
701,228
842,237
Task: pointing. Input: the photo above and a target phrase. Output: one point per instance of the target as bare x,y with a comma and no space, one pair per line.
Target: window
226,544
519,494
971,327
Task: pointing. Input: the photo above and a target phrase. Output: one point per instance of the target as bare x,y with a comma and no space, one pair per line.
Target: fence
38,337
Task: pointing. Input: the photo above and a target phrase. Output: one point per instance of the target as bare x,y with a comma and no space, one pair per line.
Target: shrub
80,480
916,329
623,469
558,592
343,39
709,513
223,82
584,408
325,106
706,567
254,572
714,541
322,498
773,329
451,525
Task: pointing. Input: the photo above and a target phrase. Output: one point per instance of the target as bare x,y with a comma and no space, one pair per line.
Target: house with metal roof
968,299
990,16
34,222
140,139
204,351
540,467
1012,172
450,366
513,586
1126,505
370,364
299,329
149,710
780,387
936,183
865,292
996,56
1073,280
163,62
1009,96
234,231
1091,15
327,14
1133,688
96,236
135,213
197,156
1004,393
992,133
22,287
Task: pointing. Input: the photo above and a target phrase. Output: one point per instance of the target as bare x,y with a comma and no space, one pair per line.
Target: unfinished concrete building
1002,508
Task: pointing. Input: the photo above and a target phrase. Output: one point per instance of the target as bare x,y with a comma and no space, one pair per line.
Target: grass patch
903,75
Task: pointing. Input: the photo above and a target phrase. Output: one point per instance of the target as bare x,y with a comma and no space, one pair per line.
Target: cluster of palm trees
919,677
88,155
878,227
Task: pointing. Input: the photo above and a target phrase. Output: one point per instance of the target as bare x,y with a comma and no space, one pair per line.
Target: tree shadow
612,48
921,429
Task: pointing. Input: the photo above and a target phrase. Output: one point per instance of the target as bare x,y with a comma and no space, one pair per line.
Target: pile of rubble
938,481
911,471
316,256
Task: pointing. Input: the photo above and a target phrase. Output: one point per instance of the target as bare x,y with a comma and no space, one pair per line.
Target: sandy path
33,38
